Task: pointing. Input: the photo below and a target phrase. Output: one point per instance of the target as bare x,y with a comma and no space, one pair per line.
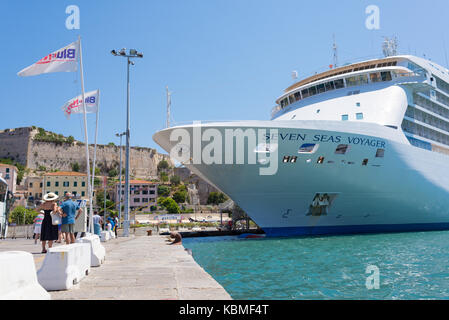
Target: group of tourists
52,216
55,222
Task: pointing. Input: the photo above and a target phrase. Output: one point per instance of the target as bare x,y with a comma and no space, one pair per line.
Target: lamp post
131,54
120,185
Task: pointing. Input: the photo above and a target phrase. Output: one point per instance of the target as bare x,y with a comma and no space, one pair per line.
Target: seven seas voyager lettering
327,138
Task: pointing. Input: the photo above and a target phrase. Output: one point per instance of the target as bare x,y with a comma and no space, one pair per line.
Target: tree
175,180
164,176
170,205
162,165
99,197
113,173
163,191
19,213
70,139
216,198
76,167
180,196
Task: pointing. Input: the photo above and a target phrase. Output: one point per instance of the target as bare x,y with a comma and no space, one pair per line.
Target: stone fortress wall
19,145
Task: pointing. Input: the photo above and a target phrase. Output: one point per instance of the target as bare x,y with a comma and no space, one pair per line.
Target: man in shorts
69,214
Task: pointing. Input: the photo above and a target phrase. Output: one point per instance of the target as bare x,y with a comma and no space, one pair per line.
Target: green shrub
216,198
180,196
170,205
163,191
19,213
175,180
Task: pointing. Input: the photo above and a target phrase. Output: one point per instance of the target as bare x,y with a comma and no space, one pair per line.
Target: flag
76,104
62,60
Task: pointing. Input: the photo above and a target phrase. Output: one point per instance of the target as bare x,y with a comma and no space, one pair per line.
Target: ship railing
275,110
183,123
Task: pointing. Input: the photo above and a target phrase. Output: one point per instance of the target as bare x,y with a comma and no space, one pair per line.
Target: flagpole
95,148
89,186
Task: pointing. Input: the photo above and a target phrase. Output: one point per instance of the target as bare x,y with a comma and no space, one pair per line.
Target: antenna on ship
334,47
294,75
390,46
168,106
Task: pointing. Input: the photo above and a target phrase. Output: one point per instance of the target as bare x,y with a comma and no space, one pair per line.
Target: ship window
365,162
380,153
351,81
359,116
291,99
342,149
312,90
308,148
298,96
345,117
286,159
357,80
284,103
339,84
375,77
358,104
386,76
305,93
330,86
293,159
321,88
320,160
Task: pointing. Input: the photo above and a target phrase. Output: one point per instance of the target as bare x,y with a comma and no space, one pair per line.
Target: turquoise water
411,266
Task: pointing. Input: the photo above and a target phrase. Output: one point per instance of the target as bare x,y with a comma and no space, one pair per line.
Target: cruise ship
360,148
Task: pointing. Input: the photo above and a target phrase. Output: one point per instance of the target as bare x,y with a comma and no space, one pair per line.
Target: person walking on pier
38,225
97,221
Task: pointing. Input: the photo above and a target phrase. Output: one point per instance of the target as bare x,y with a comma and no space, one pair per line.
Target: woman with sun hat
49,232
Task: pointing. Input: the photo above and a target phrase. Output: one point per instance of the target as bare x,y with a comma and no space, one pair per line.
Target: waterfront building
9,174
63,182
143,194
34,187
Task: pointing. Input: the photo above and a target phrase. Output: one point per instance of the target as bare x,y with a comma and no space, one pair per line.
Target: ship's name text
327,138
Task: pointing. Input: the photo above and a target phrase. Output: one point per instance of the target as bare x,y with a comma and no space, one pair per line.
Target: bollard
65,266
98,252
18,280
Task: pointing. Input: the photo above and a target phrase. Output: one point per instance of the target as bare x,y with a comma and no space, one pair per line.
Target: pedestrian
97,221
38,225
70,212
177,238
111,221
116,225
49,232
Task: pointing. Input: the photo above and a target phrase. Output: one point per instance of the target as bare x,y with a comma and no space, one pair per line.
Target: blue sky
223,59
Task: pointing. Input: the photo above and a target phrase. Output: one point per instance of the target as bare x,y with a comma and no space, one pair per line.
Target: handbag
55,219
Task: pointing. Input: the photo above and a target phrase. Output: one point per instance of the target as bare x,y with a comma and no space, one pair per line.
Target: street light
132,54
120,185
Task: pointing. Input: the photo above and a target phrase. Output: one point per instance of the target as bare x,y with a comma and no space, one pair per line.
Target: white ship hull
406,190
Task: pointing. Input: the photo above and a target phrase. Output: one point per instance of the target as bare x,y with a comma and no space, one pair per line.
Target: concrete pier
138,268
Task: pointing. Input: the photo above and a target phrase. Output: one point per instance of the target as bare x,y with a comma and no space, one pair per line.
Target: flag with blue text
75,105
62,60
